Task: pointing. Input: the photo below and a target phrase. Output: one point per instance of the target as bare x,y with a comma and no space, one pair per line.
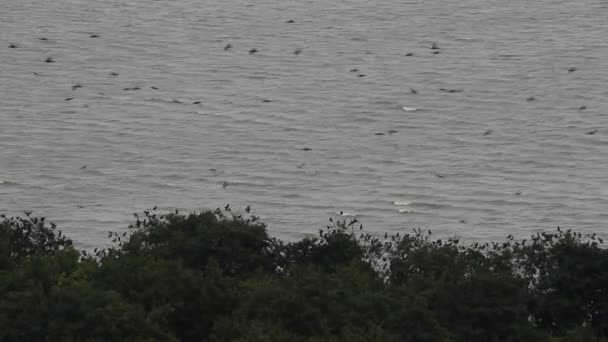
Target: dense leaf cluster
217,276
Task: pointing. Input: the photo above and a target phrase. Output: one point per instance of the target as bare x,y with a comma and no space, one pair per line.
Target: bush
21,237
217,276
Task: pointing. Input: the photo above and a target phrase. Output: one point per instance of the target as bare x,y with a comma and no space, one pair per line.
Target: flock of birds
435,49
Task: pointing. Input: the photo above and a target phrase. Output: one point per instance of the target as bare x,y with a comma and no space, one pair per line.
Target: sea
475,119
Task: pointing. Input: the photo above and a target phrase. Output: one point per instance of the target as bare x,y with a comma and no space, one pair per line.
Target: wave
6,182
401,203
409,109
425,205
343,213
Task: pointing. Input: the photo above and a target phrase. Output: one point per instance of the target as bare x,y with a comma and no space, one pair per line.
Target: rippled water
482,162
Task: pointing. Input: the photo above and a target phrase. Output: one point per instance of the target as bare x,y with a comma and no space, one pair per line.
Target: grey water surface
515,143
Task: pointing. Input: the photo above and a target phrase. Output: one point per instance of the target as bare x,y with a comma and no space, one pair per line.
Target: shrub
217,276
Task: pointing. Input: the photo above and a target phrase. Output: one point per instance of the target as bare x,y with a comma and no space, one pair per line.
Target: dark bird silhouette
436,52
297,52
354,70
300,165
379,133
94,36
196,102
224,185
488,132
413,91
252,51
83,167
361,75
76,86
409,54
155,88
177,101
290,21
113,74
42,38
582,108
266,101
49,60
69,99
155,207
306,149
438,175
434,46
451,90
530,99
248,209
392,131
592,132
12,46
571,69
227,47
227,207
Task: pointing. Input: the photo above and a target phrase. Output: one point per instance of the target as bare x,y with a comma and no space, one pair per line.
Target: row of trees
218,276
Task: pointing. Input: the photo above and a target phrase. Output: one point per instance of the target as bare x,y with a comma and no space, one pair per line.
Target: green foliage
239,245
218,276
21,237
569,281
336,246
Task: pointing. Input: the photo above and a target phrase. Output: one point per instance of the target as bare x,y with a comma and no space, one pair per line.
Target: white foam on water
401,203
